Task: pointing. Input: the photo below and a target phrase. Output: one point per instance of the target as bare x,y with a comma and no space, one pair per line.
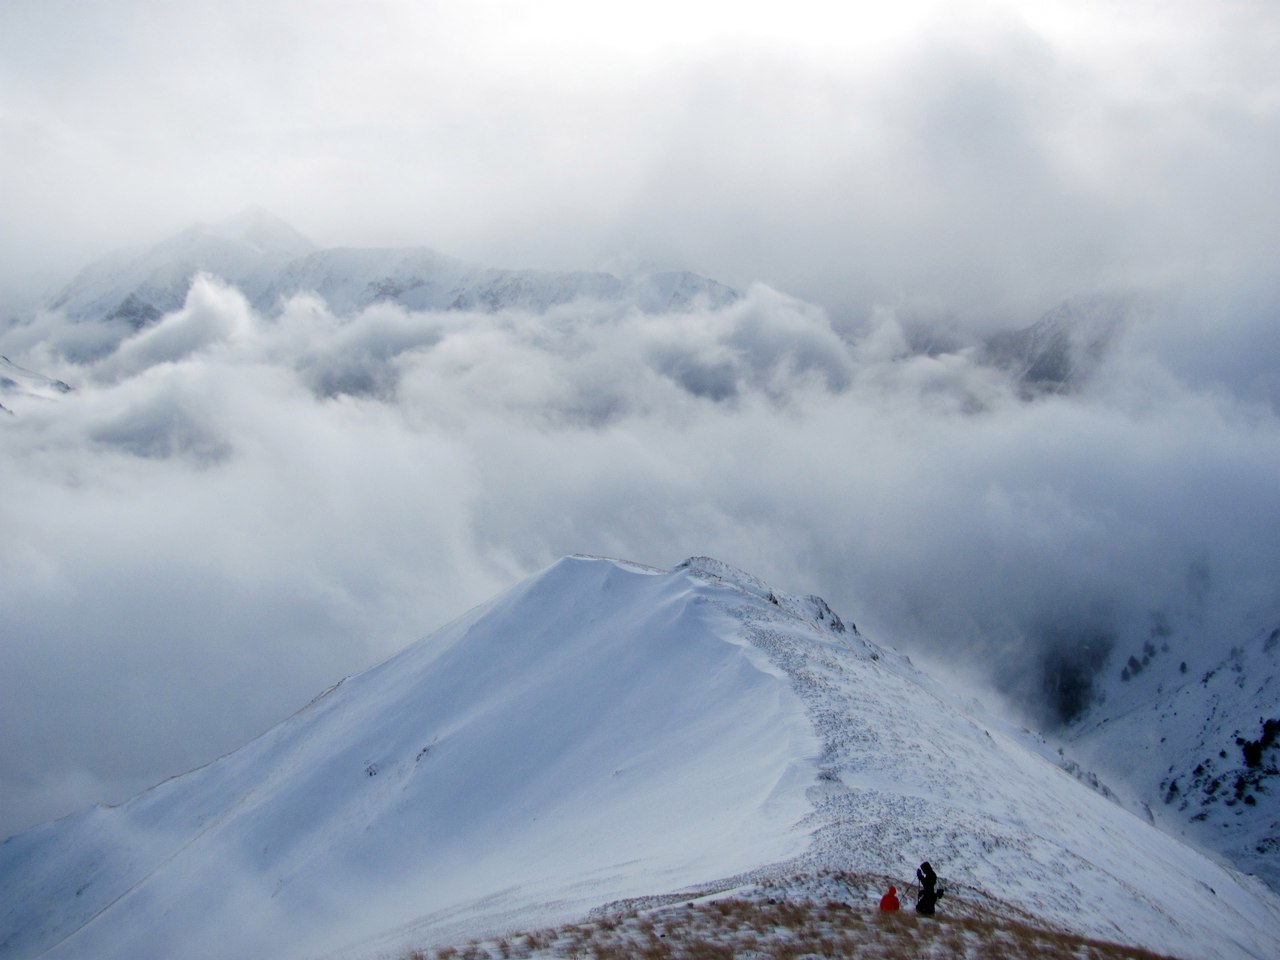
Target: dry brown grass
775,927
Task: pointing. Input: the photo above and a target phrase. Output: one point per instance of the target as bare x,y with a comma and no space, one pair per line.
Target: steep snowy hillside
268,261
602,731
1200,741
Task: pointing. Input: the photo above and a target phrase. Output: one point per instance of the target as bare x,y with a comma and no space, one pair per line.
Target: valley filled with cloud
231,510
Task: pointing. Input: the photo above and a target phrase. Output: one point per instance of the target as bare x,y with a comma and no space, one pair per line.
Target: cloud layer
232,511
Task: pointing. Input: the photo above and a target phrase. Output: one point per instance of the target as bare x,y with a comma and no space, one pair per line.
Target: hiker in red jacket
890,900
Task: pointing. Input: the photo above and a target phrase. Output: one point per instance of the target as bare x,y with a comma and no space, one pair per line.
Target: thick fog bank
230,511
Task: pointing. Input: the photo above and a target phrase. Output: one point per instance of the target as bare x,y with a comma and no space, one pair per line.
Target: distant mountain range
269,262
605,731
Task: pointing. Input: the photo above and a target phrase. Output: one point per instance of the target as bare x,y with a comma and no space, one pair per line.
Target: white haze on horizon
986,156
231,511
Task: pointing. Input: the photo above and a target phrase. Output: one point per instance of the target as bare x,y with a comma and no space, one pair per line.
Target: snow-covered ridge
598,732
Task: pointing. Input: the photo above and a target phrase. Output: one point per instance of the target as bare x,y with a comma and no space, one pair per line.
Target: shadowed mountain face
1199,743
602,731
1060,351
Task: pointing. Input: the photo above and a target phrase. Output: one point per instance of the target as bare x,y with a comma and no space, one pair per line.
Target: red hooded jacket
890,900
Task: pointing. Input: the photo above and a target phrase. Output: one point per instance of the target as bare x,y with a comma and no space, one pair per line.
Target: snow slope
604,730
1199,740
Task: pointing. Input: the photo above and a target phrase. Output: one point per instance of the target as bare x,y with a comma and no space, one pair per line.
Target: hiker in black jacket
928,895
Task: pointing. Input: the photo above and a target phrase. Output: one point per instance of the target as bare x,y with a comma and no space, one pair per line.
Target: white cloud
234,511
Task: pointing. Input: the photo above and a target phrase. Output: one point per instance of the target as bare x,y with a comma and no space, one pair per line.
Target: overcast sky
993,157
200,538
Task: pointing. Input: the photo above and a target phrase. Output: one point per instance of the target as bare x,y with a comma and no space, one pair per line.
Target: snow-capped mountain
269,262
602,731
137,287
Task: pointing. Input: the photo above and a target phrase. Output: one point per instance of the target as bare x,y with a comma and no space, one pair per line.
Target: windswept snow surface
600,731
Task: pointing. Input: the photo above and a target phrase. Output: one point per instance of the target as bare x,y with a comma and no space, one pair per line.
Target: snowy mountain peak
134,289
604,730
254,228
1061,350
